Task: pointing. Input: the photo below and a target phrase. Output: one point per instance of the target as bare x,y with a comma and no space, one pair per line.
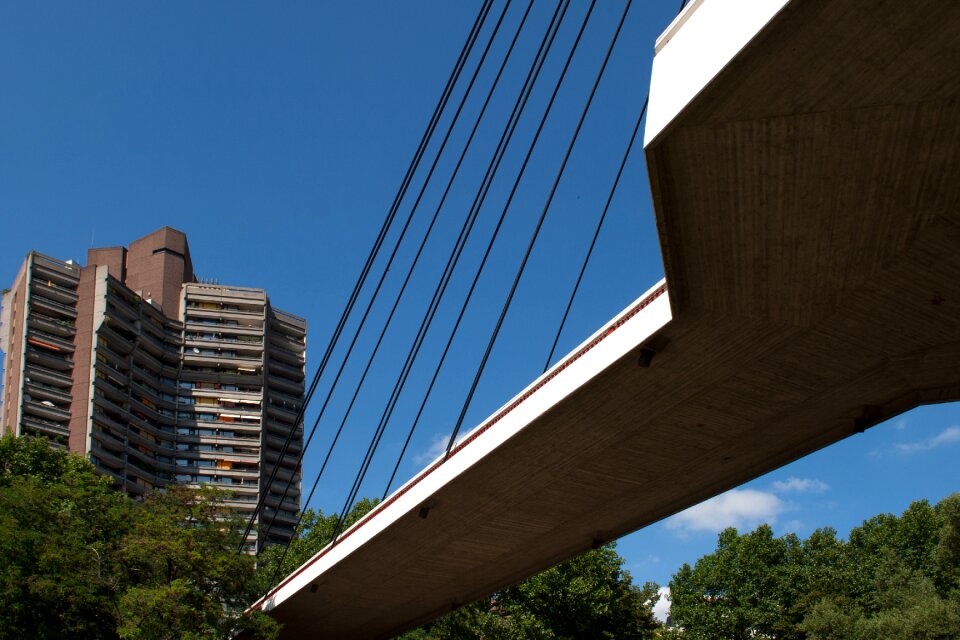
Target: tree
588,597
750,586
901,580
896,577
79,559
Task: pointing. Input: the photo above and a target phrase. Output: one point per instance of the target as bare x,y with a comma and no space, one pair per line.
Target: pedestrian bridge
803,160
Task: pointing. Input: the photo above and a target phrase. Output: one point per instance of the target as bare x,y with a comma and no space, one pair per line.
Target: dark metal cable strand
505,139
506,206
452,260
536,232
411,170
409,271
464,232
596,233
371,303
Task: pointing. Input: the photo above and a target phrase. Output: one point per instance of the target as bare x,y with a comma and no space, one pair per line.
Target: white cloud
662,609
950,435
800,485
741,508
437,446
793,526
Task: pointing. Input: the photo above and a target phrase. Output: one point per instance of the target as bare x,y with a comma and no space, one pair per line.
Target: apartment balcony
274,443
289,322
225,357
246,432
227,318
152,322
147,360
242,348
56,271
122,310
112,346
51,308
281,425
248,495
43,426
290,501
48,359
40,391
117,378
109,433
276,368
285,356
285,341
290,460
285,398
108,449
242,477
138,404
280,517
108,440
230,335
119,413
287,413
135,487
61,328
283,475
47,409
155,346
226,326
114,462
113,392
52,291
49,341
117,342
140,434
127,331
48,376
144,459
253,398
280,532
221,293
240,306
111,415
145,383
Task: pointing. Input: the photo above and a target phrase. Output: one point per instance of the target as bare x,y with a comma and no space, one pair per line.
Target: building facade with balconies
157,378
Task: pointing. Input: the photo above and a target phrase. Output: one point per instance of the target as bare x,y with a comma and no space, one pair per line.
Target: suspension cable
438,291
411,170
505,138
536,232
410,270
596,233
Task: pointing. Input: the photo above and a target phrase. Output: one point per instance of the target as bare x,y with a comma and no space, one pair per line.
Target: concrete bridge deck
803,158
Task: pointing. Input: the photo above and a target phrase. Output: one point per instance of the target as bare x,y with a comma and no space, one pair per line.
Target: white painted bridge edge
699,43
633,332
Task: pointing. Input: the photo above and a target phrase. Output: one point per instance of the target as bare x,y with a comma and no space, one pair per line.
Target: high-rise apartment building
158,378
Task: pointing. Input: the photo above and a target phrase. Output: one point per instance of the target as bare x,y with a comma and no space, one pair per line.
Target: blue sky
276,134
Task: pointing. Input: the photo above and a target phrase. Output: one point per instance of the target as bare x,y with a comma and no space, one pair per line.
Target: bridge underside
808,205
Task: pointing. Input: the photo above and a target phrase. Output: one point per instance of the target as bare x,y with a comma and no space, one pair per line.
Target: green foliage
749,586
81,560
588,597
896,577
34,458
